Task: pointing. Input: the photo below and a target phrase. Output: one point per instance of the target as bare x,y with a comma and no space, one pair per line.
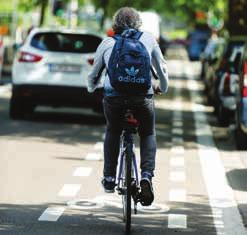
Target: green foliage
180,9
6,6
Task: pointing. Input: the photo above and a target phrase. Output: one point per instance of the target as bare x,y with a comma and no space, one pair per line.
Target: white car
51,69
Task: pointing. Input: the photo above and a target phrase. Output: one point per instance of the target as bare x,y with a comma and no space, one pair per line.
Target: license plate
65,68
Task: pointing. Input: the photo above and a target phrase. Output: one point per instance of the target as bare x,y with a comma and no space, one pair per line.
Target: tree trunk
104,5
237,17
42,12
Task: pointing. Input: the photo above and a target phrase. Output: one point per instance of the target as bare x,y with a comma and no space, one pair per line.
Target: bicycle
127,180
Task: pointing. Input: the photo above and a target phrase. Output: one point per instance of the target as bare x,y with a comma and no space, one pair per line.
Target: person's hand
157,90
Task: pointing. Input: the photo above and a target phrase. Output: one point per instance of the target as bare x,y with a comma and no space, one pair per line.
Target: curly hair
126,17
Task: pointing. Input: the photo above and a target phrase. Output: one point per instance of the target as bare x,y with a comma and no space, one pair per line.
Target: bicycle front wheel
127,190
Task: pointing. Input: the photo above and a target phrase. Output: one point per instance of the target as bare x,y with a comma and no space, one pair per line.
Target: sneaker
147,194
108,184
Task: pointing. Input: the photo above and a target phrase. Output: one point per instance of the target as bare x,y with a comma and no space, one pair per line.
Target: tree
27,5
43,4
111,6
179,9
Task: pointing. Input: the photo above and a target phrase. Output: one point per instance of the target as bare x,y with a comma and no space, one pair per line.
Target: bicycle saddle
130,119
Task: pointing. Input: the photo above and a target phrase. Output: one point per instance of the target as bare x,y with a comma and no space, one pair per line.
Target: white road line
177,149
221,197
5,88
177,162
95,133
177,221
69,190
103,136
162,133
177,124
178,105
94,157
177,195
52,214
177,119
177,176
177,131
177,114
177,140
99,146
82,171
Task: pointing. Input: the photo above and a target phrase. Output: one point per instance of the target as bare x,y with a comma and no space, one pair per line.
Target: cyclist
116,102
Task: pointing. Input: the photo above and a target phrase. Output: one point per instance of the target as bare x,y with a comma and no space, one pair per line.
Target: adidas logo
132,71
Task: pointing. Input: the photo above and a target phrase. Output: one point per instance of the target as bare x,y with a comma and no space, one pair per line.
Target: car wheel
15,109
241,139
223,116
19,109
99,109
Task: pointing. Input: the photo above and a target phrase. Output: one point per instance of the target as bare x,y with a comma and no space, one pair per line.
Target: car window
64,42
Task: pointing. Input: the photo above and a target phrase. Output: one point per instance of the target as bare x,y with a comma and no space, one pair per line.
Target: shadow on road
237,179
103,219
83,127
67,118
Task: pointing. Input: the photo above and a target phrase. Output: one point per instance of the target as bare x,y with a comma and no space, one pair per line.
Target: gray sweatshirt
102,57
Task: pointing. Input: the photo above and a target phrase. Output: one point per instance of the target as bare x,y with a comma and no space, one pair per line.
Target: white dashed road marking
177,221
177,131
177,140
178,124
52,214
5,88
177,115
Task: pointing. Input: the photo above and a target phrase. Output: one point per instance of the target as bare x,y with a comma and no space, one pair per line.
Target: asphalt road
51,167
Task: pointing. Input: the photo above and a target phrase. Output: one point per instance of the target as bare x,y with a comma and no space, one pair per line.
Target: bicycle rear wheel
127,189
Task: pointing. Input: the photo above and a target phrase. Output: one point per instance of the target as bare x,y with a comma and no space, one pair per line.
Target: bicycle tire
127,191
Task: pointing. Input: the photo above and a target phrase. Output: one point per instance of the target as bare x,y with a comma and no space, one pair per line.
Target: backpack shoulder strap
116,37
137,35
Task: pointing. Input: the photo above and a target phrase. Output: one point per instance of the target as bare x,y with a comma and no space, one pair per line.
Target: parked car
211,60
227,87
224,85
51,69
241,102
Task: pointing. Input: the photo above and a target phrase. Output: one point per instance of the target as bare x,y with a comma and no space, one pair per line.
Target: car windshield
64,42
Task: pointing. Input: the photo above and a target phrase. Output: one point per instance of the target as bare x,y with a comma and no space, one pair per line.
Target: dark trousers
143,110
